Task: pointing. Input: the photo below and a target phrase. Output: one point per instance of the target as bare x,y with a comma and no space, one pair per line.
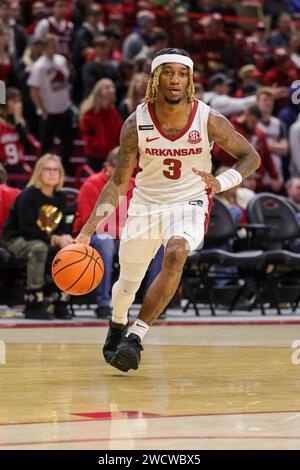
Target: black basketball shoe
128,354
114,335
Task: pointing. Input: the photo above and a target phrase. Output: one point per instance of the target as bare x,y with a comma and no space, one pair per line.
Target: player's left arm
222,132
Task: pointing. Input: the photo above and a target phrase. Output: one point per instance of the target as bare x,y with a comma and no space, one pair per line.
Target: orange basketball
77,269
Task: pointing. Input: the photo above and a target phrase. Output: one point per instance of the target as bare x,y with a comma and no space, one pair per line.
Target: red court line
148,417
160,323
150,438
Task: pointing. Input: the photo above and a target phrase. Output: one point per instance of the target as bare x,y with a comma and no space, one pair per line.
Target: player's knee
175,256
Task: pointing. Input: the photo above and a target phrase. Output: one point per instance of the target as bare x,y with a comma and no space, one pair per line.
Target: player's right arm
118,184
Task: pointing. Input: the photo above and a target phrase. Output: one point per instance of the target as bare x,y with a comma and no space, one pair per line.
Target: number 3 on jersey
174,168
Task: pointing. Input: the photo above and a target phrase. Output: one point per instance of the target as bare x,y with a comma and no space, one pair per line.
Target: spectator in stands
15,140
7,197
35,224
106,240
294,50
281,37
135,41
6,65
274,130
294,138
159,40
79,12
249,76
125,73
100,67
236,199
289,113
283,72
114,37
58,25
17,35
50,93
257,41
38,12
83,42
246,124
293,191
218,97
100,123
23,68
135,95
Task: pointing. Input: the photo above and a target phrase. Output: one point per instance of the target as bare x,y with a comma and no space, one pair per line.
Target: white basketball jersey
166,177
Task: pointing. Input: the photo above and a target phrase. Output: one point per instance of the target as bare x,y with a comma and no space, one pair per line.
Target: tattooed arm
118,184
222,132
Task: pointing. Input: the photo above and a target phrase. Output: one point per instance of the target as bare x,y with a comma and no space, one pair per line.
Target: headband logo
194,137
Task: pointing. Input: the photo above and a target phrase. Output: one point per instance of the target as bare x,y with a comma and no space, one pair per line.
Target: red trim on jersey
161,131
209,209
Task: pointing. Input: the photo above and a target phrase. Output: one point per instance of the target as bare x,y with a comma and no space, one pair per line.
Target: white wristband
229,179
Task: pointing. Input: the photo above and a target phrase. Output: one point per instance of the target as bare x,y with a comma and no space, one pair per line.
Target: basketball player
173,133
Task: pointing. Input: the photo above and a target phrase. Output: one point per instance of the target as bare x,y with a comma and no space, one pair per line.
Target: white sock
139,328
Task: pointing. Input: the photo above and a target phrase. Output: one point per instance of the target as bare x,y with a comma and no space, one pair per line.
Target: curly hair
153,82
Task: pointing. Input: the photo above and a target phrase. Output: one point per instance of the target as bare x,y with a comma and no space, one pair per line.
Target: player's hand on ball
209,180
82,238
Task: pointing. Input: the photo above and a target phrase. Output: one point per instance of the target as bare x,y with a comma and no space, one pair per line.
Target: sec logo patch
194,137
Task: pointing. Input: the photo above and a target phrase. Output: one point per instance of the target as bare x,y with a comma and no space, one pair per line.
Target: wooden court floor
198,387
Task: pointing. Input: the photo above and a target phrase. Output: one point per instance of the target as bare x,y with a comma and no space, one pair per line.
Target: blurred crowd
74,71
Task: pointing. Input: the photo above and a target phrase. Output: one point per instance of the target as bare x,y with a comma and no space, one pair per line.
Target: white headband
166,58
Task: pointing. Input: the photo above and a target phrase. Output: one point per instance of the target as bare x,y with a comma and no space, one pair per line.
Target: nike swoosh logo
150,140
141,326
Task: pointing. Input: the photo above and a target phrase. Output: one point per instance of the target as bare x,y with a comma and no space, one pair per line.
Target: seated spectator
106,240
293,191
236,199
38,12
16,34
135,41
135,95
58,25
100,67
274,130
7,197
246,124
36,224
249,76
100,123
281,36
15,140
283,72
79,12
159,40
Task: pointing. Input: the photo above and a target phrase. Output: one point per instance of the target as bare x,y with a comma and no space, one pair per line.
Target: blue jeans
107,248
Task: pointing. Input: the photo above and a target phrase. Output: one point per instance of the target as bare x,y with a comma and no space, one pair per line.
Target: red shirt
258,140
100,131
7,198
11,149
87,199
